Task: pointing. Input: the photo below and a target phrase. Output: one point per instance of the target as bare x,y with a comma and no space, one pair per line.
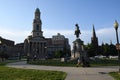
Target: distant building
59,43
19,50
7,46
94,42
36,45
94,39
6,41
58,40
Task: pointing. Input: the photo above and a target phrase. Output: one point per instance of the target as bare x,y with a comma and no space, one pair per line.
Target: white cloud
15,35
104,35
105,31
54,32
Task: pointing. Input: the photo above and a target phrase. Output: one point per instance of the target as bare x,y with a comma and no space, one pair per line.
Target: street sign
118,46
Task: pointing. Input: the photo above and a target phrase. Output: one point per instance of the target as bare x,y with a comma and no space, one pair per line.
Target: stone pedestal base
79,52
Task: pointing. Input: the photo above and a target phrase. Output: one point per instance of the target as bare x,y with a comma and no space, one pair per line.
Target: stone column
45,48
28,48
41,48
37,47
32,48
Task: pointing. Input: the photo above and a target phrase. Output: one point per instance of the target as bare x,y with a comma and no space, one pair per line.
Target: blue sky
60,16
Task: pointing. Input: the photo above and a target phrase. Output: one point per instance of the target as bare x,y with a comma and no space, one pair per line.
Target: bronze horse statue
77,31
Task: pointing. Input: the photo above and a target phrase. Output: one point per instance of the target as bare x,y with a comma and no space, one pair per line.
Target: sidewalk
74,73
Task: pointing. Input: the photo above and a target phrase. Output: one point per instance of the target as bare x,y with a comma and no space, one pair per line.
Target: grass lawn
28,74
53,63
7,61
104,62
2,63
116,75
93,63
7,73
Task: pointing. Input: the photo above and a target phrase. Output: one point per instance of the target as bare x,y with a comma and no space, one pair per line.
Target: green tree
58,54
90,50
108,49
113,50
66,52
104,49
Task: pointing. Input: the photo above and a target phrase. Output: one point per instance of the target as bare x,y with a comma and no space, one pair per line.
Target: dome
37,10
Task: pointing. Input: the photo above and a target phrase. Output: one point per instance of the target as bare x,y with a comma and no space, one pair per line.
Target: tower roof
37,10
94,33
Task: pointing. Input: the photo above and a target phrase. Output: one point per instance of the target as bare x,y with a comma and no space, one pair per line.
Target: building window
37,27
37,34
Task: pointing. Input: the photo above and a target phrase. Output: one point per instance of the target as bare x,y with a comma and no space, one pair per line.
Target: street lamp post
116,25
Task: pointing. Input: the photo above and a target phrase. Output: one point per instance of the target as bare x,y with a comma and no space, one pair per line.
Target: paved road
74,73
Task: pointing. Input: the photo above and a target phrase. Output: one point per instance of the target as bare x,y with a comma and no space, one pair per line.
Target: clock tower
35,44
37,25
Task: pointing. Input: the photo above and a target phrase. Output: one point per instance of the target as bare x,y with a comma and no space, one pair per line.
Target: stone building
59,43
6,41
6,46
36,45
19,50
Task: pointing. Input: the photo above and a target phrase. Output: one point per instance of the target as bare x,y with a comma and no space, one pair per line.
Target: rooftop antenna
37,3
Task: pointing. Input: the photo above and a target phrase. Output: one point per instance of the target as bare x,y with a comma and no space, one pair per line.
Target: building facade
59,43
7,46
36,45
19,50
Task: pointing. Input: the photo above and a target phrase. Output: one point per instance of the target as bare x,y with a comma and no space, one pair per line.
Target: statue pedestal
78,51
77,48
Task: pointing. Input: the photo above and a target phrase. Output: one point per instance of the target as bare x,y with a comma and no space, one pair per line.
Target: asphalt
74,73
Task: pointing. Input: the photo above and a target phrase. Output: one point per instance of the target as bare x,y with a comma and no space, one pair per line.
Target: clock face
37,16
